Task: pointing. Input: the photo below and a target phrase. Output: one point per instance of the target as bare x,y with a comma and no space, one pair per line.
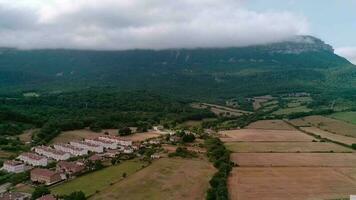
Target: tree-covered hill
302,64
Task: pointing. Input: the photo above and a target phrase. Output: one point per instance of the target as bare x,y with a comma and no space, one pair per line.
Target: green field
286,111
97,181
349,117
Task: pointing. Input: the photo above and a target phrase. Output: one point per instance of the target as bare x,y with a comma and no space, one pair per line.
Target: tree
188,138
125,131
39,192
76,196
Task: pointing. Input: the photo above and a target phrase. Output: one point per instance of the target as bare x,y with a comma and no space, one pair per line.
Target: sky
160,24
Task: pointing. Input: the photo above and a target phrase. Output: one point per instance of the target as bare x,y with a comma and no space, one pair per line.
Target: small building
174,138
47,197
15,196
104,143
33,159
52,153
70,168
128,150
45,176
117,140
14,166
75,151
154,141
155,156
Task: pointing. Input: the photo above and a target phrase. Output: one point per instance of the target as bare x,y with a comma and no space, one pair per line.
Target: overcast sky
127,24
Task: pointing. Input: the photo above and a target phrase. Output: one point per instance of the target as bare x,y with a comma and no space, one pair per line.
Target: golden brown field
166,178
286,147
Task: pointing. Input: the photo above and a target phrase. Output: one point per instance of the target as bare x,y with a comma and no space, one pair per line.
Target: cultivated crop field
285,147
332,125
330,136
261,135
166,178
287,164
270,124
295,159
99,180
292,183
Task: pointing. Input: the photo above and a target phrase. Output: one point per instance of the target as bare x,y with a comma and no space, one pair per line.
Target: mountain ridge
304,63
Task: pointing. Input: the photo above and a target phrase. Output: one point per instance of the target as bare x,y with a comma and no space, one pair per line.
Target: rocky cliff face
298,45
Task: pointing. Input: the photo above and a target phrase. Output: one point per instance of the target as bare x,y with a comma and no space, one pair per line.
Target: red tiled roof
32,156
54,151
43,172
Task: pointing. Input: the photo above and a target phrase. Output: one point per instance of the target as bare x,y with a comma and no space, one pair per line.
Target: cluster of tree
41,191
185,137
220,156
183,152
97,109
13,178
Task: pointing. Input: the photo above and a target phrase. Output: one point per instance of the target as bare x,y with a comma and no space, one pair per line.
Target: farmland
295,159
270,168
289,147
271,125
349,117
330,136
291,183
332,125
261,135
102,179
166,178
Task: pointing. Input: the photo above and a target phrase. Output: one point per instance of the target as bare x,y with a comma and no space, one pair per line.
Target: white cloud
126,24
347,52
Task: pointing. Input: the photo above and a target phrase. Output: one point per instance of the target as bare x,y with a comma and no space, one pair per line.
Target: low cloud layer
347,52
127,24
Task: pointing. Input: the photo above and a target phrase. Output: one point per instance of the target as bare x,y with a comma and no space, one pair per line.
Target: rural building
155,156
95,157
52,153
88,146
104,143
14,166
15,196
45,176
112,153
70,168
75,151
128,150
33,159
117,140
47,197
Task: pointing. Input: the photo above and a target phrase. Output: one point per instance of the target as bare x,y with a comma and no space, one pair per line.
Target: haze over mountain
304,63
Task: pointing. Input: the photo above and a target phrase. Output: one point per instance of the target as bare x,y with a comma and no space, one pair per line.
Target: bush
183,152
39,192
125,131
187,138
353,146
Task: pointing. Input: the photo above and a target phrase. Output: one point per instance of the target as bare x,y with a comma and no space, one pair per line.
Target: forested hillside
303,64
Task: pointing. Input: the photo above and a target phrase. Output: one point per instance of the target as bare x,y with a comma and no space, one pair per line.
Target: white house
76,151
14,166
52,153
117,140
104,143
88,146
33,159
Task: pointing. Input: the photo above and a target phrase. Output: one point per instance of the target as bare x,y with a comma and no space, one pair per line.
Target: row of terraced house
42,155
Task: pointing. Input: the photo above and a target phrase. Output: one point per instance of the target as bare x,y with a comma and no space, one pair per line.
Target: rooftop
32,156
43,172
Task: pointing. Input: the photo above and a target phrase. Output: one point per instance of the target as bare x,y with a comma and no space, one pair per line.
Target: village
60,162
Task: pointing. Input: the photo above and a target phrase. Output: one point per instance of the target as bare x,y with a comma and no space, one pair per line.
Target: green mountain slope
302,64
